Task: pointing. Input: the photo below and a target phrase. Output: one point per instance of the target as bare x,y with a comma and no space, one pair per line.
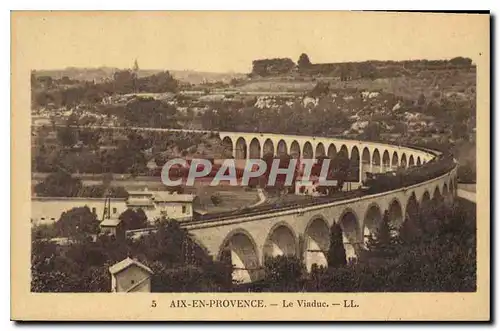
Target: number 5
153,303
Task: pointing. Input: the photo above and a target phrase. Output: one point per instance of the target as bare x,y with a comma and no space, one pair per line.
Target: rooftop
124,264
139,202
111,222
143,192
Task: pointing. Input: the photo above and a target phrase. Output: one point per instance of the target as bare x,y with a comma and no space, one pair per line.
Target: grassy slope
426,82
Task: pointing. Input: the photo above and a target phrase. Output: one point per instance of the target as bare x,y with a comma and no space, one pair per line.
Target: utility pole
107,208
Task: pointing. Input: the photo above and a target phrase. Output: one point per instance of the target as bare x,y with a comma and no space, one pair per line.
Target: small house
130,275
113,226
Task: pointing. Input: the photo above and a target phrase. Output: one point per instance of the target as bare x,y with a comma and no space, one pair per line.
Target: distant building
46,210
130,275
112,226
157,204
172,205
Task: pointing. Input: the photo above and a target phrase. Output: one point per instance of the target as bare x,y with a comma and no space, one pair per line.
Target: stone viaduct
305,231
371,156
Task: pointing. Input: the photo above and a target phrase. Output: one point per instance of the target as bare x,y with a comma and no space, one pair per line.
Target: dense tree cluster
336,251
303,62
56,93
355,70
59,184
97,151
271,67
178,263
149,113
299,119
436,253
62,184
76,223
443,259
134,219
467,173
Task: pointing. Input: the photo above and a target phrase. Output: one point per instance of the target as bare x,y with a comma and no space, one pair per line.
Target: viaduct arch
305,231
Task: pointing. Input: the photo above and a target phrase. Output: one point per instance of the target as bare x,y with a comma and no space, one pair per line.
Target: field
231,198
467,187
277,85
461,83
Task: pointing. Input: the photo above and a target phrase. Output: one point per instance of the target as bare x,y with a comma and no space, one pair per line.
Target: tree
80,266
384,242
59,184
151,113
43,231
158,83
107,178
283,272
372,132
77,222
124,81
341,167
142,217
117,192
459,130
66,136
367,70
421,100
321,89
190,278
133,219
410,231
269,67
467,172
304,61
336,252
461,61
178,263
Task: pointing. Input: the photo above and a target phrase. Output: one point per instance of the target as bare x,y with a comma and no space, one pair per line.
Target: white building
157,204
130,275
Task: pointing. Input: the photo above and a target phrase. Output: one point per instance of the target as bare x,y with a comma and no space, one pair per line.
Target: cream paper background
34,33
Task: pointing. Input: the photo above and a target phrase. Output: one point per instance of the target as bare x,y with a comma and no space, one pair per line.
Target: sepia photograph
227,159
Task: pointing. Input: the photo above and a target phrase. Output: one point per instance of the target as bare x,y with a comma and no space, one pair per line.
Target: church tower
135,68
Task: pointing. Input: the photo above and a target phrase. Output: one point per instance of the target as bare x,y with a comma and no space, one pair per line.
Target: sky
229,41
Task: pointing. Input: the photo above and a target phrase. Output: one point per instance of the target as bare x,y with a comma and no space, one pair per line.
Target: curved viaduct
305,231
368,156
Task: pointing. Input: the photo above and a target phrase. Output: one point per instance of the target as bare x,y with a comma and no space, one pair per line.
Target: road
134,128
467,191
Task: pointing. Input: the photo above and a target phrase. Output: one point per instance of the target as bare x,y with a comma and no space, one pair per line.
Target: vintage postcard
320,166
